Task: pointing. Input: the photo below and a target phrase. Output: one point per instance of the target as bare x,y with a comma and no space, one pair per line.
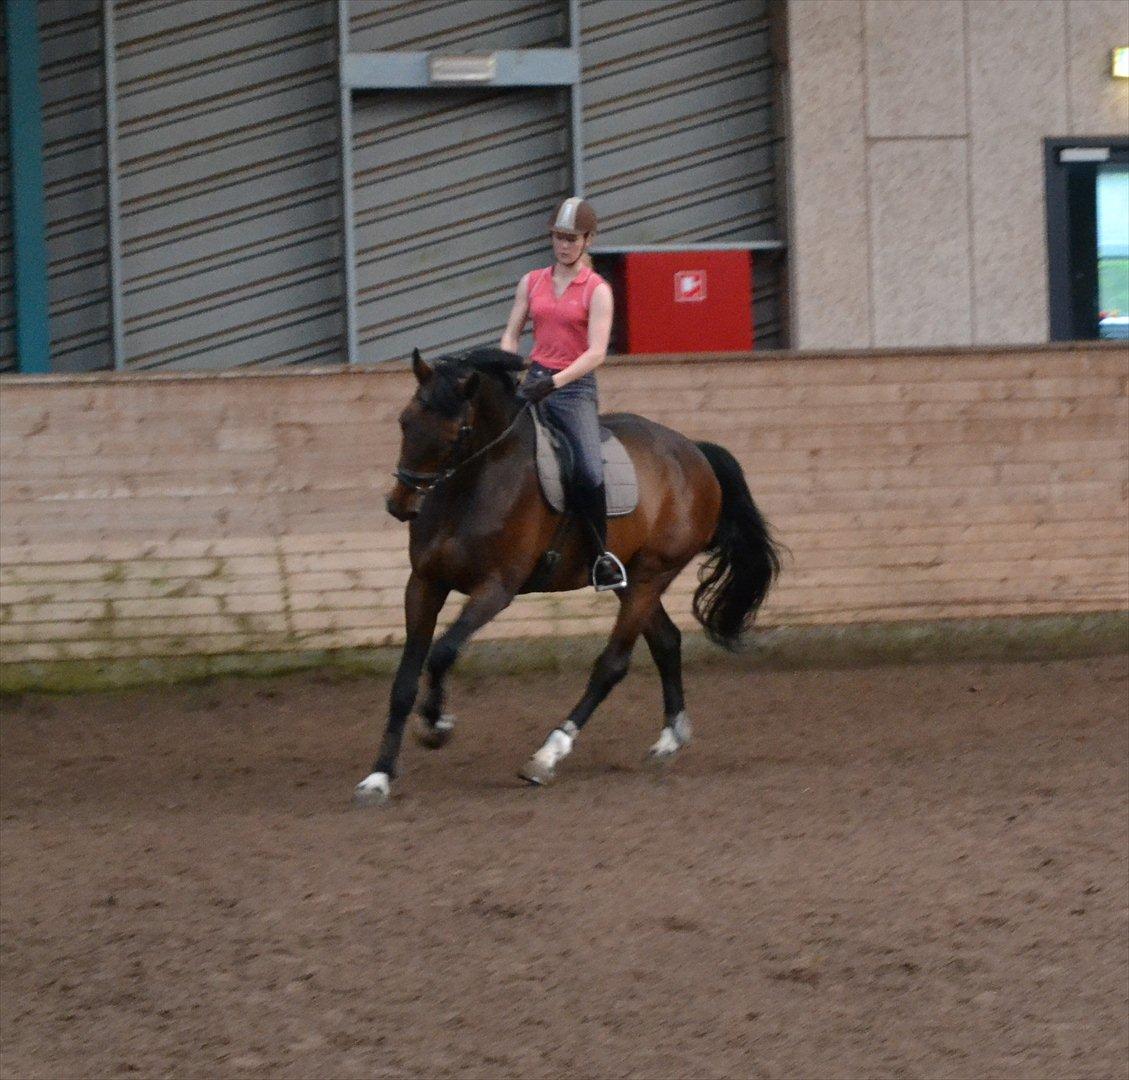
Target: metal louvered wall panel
452,187
457,25
229,193
70,83
679,129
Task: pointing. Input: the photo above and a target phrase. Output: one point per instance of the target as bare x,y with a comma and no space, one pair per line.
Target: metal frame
708,245
113,184
29,229
1067,280
507,68
348,238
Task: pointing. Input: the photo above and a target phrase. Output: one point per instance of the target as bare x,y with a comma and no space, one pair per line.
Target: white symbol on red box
689,285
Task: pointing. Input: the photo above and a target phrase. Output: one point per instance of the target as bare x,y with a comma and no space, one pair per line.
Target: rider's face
568,246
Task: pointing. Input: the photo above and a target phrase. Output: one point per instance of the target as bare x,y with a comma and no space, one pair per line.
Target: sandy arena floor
892,872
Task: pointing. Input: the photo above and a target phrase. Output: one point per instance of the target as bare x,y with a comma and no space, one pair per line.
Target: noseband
421,483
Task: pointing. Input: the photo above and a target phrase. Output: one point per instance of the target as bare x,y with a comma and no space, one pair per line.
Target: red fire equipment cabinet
687,301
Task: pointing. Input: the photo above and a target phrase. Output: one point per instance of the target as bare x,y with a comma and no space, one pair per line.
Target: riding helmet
574,215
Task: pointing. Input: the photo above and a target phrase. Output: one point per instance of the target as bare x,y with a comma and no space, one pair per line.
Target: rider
571,306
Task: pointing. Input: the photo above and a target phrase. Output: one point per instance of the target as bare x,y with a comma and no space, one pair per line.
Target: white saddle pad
619,471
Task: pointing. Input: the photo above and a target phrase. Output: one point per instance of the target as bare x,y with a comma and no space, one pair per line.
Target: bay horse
467,482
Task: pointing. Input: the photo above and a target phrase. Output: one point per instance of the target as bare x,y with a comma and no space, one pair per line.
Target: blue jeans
575,409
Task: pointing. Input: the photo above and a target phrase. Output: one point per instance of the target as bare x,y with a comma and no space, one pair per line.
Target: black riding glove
536,388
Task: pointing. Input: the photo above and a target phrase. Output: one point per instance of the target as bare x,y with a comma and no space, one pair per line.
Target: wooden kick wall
173,515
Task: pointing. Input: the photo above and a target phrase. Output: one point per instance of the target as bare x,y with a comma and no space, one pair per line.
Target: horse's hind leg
664,639
637,605
436,726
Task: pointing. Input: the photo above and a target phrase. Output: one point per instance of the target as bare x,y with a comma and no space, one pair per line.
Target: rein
422,483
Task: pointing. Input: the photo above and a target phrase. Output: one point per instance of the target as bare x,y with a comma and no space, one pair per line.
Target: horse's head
434,427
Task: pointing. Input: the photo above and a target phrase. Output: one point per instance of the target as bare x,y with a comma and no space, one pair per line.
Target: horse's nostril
400,509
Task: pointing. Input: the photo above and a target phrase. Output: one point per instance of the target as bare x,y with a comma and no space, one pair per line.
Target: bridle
421,483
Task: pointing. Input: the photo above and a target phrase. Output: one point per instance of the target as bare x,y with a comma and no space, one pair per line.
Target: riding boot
607,571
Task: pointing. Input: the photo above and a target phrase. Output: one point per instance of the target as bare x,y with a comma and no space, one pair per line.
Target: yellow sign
1119,68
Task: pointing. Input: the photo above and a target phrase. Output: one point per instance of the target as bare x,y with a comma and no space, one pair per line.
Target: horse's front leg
483,605
423,601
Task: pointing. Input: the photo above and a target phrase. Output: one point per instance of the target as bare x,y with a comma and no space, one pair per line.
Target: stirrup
617,568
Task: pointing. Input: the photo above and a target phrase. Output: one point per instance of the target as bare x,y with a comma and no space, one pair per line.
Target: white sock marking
674,736
557,747
374,782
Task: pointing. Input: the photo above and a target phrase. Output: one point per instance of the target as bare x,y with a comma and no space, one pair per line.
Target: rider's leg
575,410
592,504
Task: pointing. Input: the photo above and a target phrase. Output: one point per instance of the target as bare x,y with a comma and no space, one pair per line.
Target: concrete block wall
177,515
915,134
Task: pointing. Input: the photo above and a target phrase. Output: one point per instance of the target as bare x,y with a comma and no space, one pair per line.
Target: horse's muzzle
402,504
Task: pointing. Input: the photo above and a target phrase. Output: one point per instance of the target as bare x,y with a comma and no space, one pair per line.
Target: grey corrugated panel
452,191
74,183
216,249
229,183
308,336
456,25
232,124
219,293
679,128
223,203
177,194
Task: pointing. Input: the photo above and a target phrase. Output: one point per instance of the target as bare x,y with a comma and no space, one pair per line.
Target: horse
467,483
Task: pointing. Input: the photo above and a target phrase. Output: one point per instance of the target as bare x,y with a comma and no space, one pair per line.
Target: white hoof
540,768
535,772
373,790
674,736
435,735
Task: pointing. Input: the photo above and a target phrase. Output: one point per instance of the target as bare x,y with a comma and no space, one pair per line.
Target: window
1088,238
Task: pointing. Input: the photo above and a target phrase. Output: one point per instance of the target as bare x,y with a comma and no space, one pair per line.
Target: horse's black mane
491,360
502,366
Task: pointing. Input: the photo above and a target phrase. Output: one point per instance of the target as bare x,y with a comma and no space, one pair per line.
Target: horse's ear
467,384
420,367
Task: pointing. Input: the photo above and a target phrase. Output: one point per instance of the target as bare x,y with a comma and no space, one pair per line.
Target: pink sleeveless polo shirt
560,327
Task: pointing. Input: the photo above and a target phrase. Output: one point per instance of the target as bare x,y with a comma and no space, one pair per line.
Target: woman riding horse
571,306
467,481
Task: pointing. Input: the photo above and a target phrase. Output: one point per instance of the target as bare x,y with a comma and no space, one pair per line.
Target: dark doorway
1088,238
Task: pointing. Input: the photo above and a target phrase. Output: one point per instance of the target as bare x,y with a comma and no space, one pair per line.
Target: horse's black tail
743,557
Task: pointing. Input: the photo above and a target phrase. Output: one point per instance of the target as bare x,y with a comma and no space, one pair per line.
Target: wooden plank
233,593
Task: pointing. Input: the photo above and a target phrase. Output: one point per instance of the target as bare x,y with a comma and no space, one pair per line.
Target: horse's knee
442,657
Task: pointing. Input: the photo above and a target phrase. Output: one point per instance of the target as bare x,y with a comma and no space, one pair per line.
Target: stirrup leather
619,569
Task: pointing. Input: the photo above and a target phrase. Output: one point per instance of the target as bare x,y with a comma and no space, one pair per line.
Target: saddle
554,468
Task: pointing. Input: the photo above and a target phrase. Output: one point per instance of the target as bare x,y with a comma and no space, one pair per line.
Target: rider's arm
518,314
599,331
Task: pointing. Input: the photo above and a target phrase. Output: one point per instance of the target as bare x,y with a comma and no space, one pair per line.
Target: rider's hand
536,388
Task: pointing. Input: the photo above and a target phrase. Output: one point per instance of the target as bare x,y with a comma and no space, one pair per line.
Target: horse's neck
486,483
498,415
496,411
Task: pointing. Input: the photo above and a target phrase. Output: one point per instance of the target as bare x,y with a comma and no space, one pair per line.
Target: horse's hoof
673,738
437,734
657,759
535,772
373,790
